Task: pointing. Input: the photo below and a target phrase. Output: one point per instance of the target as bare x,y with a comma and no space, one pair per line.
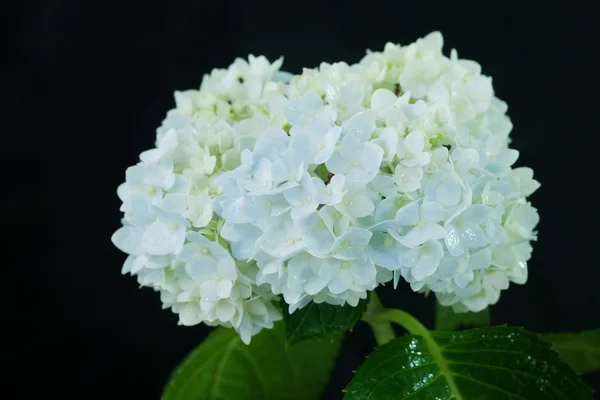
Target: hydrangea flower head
322,186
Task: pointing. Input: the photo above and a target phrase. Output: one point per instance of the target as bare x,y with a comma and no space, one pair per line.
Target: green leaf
484,363
580,350
222,367
322,320
448,320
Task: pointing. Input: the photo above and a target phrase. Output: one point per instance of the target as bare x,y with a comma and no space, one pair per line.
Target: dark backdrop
88,82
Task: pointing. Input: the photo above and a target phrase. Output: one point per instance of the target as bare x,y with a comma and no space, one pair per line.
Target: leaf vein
491,386
424,386
257,372
391,376
494,367
221,366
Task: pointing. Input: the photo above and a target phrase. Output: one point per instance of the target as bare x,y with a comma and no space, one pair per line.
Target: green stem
404,319
382,329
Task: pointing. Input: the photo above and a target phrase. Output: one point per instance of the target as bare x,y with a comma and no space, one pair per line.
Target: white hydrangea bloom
322,186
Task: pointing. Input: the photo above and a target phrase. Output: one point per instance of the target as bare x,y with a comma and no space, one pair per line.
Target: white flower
422,261
320,187
303,198
166,234
408,179
210,263
521,220
333,192
383,185
360,125
199,209
385,251
346,273
347,98
388,141
306,273
302,110
355,202
419,75
522,179
465,231
282,239
160,174
357,161
410,150
242,239
351,244
423,222
258,314
316,141
316,235
382,99
444,186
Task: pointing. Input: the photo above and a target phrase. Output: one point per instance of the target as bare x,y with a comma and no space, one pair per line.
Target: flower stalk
382,329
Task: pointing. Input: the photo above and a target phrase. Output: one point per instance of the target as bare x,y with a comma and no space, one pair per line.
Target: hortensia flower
321,186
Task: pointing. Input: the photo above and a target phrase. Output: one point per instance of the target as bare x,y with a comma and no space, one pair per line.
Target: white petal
298,267
128,239
396,278
387,209
453,241
336,183
329,269
189,251
224,287
364,271
432,211
319,241
414,142
474,236
209,291
360,125
337,164
371,157
175,203
245,330
201,268
190,314
314,285
256,307
415,237
350,148
224,311
328,143
226,268
481,259
476,214
408,215
421,158
296,196
341,282
448,193
464,278
139,263
381,99
128,264
425,267
382,252
160,239
361,206
434,231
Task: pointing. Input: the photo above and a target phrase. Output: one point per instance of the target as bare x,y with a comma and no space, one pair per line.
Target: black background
87,83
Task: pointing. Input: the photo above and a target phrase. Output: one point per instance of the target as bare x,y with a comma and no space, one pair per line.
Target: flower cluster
321,186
